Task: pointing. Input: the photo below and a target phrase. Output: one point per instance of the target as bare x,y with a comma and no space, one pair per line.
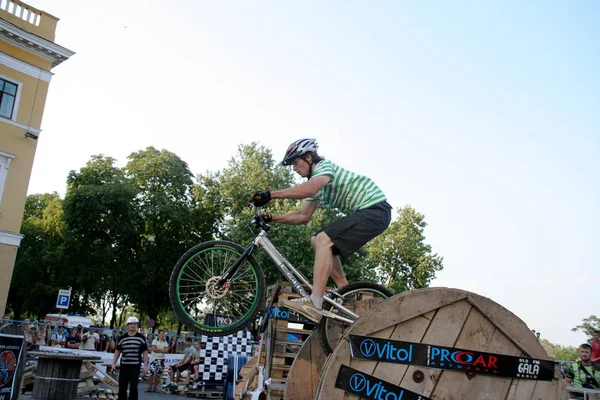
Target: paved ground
143,395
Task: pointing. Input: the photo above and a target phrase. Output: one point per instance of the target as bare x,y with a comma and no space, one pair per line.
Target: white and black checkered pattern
214,352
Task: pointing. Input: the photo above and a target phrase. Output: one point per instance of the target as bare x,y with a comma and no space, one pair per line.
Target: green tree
559,352
101,239
35,282
172,221
400,254
588,326
254,168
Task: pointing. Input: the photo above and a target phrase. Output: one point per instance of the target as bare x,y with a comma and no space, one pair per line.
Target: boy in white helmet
367,214
132,348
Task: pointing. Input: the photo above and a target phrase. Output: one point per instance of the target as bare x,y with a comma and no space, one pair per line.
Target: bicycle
218,287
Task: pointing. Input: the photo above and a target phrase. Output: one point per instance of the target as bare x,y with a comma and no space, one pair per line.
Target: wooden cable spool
443,317
307,366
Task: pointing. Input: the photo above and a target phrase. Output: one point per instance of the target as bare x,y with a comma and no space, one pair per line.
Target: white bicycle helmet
132,320
298,149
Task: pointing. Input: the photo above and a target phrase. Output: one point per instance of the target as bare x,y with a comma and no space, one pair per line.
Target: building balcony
32,30
29,18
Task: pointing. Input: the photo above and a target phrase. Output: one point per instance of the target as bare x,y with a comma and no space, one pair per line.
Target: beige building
27,55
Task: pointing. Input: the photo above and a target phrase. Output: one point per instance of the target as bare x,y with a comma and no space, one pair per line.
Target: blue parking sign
64,298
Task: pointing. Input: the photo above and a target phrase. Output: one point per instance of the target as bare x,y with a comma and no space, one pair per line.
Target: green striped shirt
346,190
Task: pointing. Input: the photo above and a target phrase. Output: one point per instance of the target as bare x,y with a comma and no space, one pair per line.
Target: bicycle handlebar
259,221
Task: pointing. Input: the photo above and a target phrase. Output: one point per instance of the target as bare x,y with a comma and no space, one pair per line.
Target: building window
5,159
8,96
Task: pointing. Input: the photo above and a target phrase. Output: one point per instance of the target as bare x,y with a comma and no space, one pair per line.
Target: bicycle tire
245,294
329,330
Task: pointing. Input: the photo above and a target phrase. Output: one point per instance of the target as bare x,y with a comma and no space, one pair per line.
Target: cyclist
367,214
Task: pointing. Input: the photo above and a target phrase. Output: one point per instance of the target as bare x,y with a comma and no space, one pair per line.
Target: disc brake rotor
214,290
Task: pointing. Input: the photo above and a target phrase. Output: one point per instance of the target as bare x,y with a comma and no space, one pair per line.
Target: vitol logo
462,357
275,312
360,384
386,351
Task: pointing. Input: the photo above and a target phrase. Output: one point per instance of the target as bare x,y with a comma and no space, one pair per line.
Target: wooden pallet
204,394
247,374
105,394
105,378
29,374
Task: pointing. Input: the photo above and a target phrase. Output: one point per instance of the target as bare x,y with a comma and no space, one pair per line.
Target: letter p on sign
64,298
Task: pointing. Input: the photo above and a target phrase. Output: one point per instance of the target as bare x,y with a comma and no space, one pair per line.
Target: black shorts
183,367
353,231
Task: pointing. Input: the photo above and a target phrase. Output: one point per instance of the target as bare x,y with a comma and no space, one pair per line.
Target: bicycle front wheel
350,296
202,302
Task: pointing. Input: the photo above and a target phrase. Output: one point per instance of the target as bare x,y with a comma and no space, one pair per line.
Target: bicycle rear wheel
330,330
202,303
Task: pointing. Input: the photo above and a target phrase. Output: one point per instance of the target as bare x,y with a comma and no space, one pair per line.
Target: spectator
27,332
40,334
181,344
159,348
113,341
133,347
104,339
49,331
149,340
60,336
584,373
74,339
173,345
195,365
183,365
90,339
596,347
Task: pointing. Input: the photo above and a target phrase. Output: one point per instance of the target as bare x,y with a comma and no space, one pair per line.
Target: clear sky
484,116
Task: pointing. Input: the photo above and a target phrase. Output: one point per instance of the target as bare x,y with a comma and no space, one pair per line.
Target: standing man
584,373
160,347
596,347
74,340
367,214
132,348
90,339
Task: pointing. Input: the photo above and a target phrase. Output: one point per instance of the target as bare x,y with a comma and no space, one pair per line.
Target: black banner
427,355
284,313
369,387
11,352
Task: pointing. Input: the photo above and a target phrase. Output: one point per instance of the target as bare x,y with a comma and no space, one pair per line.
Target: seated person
184,364
195,365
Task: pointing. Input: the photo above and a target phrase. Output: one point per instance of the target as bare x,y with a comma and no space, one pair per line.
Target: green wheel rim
241,320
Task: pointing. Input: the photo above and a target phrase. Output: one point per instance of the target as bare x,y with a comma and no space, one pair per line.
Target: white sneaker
305,307
195,386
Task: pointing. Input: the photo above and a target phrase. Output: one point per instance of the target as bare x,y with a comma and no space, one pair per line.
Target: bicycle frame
291,273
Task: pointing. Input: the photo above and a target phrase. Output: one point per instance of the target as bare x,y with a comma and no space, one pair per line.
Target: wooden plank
303,377
476,334
442,331
520,389
491,386
510,325
107,379
405,306
549,390
410,331
327,389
